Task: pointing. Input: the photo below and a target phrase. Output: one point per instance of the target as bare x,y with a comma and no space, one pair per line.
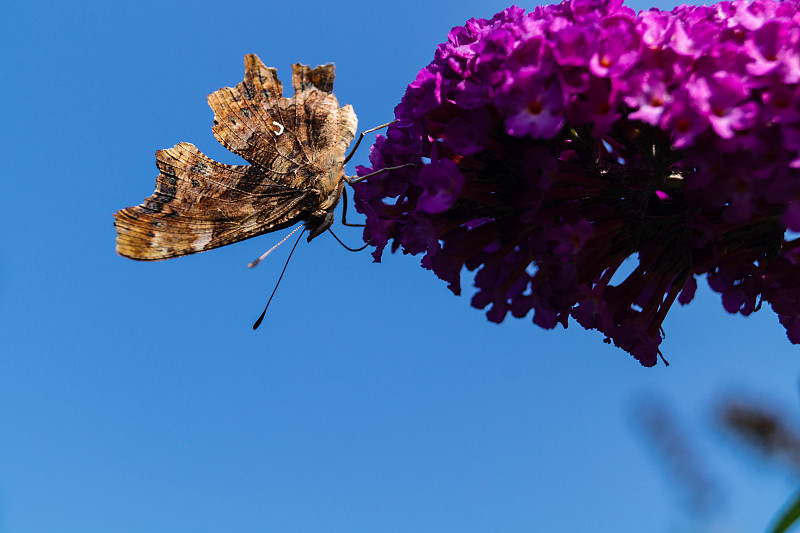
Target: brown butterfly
296,150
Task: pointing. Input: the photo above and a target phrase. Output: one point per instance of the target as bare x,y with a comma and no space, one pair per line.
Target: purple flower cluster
549,147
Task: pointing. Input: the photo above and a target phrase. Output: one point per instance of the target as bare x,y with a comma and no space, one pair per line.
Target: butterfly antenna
361,137
258,322
344,245
251,264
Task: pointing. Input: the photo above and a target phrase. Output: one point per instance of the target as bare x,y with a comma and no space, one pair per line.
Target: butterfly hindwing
200,204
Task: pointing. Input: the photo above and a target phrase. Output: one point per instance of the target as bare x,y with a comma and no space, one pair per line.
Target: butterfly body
295,147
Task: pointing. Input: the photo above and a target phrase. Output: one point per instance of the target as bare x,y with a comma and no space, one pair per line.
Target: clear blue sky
134,397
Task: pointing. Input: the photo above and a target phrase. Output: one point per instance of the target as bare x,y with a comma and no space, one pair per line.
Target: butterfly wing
296,147
299,141
200,204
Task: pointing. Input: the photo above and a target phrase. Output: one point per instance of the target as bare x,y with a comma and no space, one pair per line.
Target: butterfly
296,150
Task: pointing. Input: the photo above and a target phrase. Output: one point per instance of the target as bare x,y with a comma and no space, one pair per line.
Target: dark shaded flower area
549,147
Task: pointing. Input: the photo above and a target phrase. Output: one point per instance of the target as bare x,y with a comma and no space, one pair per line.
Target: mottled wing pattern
201,204
300,141
296,149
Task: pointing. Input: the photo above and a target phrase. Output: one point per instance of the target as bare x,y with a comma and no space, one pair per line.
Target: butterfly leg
343,244
361,137
381,171
344,212
345,223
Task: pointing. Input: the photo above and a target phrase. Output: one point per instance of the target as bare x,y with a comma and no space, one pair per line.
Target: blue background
135,396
